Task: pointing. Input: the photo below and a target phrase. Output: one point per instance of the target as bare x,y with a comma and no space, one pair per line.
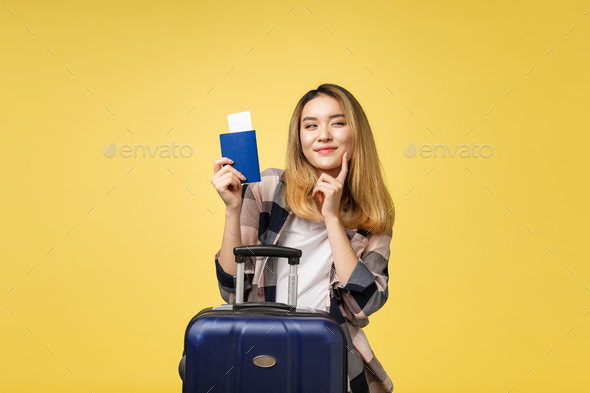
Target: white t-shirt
314,266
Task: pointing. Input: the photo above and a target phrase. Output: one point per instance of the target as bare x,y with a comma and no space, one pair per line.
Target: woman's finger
323,191
327,179
326,188
218,164
343,169
228,179
324,177
222,183
229,168
320,195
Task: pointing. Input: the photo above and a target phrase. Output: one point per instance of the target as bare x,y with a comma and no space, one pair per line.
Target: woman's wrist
330,220
232,211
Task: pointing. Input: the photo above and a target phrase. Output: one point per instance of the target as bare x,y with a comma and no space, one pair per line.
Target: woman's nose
323,134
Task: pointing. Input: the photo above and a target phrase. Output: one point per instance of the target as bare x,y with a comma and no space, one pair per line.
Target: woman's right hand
228,183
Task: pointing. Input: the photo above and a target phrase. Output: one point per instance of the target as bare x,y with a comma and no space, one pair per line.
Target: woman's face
323,125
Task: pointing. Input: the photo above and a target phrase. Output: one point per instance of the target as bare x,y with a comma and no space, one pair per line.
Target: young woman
330,202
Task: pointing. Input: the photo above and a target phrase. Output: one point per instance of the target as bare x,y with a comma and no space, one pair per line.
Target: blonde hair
370,206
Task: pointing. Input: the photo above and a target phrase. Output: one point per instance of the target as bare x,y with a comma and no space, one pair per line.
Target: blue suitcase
264,346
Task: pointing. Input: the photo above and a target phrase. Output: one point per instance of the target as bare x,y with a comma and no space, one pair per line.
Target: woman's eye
311,125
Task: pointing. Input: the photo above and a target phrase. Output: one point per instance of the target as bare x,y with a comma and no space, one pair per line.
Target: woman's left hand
329,190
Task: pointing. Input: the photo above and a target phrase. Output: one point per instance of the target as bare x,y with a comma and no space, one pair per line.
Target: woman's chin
327,164
325,167
329,169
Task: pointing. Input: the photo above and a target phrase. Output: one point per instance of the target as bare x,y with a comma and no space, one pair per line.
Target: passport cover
241,147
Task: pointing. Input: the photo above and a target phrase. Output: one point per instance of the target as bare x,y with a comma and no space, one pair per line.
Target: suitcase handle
250,305
271,250
267,250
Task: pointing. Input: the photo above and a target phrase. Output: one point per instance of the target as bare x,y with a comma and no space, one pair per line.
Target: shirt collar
283,177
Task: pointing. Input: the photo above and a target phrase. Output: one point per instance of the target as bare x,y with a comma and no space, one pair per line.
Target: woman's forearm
232,238
345,259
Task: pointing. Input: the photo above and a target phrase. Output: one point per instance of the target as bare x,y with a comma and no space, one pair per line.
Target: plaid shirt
262,220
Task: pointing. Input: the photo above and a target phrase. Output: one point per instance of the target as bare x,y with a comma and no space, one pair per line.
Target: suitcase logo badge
264,361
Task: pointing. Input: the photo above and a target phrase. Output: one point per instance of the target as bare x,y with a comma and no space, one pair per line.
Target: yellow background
489,261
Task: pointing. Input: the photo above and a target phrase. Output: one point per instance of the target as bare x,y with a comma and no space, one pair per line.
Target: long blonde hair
370,206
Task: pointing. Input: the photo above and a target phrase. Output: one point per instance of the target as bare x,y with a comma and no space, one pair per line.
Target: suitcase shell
222,347
264,346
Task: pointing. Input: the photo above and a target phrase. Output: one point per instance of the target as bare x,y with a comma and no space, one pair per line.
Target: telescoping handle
267,250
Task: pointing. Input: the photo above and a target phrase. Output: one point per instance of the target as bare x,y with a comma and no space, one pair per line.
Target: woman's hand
228,183
329,190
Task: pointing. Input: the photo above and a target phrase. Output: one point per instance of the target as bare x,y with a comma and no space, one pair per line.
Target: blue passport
241,147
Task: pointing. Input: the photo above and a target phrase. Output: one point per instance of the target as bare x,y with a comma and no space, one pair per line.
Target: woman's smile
326,151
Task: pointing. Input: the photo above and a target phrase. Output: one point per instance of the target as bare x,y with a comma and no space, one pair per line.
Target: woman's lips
326,151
